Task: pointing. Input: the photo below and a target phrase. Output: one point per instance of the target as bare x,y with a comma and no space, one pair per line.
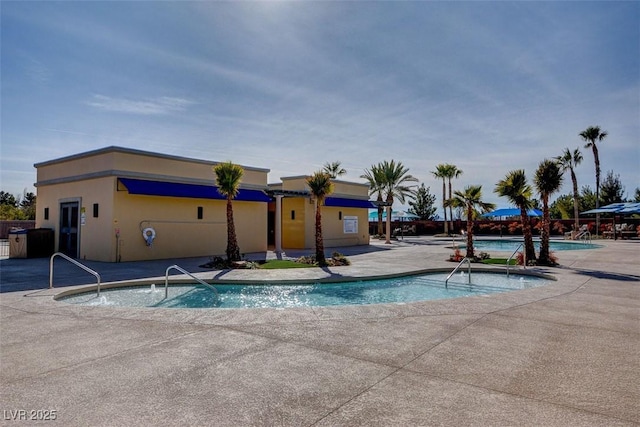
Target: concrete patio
566,354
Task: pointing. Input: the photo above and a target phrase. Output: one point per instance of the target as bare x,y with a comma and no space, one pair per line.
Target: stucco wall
333,226
95,240
293,230
300,233
179,232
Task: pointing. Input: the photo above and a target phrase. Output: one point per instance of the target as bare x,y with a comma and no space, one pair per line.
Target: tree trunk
380,211
529,250
388,230
576,208
450,208
233,251
597,161
320,259
444,198
543,258
470,253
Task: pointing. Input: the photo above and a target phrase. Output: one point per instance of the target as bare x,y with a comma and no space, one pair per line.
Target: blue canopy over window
194,191
348,203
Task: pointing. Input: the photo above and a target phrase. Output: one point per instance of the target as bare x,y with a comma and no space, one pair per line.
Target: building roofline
285,178
117,149
138,175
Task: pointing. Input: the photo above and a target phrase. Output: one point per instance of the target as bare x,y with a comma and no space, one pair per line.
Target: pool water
511,245
396,290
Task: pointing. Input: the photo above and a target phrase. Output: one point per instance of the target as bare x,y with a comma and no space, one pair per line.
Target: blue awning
348,203
194,191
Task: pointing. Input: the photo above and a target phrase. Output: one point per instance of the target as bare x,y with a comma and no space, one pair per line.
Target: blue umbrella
395,216
403,216
373,216
511,212
624,208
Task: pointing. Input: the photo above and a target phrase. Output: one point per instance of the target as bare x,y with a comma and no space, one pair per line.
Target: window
46,213
293,215
340,215
95,210
200,212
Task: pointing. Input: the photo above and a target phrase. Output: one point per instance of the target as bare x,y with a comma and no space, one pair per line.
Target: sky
289,86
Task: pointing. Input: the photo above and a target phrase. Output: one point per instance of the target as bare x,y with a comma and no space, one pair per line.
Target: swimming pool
508,245
394,290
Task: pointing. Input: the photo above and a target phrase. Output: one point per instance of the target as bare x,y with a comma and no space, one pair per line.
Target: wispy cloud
154,106
37,71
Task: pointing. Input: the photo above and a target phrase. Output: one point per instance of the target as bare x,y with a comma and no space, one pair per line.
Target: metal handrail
74,262
177,267
446,281
585,236
511,257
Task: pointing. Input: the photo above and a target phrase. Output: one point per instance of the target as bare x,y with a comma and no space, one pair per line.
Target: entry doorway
69,225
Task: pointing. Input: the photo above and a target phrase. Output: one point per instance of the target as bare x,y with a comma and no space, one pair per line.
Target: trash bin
40,242
18,244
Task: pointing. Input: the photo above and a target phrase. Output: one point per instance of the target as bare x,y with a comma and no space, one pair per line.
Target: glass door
68,243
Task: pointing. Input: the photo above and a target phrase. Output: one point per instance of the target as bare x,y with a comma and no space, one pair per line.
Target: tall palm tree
441,172
334,169
568,161
547,180
452,171
471,201
320,186
228,177
375,179
591,135
515,188
395,178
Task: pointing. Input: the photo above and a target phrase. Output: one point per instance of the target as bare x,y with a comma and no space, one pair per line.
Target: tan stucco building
119,204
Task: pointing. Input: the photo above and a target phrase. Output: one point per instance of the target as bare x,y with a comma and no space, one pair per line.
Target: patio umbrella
402,216
623,207
511,212
395,216
631,208
616,208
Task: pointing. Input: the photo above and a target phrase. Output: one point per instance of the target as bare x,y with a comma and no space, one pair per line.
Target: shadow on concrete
607,275
332,274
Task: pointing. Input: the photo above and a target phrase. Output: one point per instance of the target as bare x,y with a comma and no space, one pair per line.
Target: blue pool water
396,290
509,245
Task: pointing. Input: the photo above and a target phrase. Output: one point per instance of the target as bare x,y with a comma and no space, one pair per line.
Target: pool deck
566,354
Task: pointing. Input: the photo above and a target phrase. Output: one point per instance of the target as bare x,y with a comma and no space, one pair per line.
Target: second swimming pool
509,245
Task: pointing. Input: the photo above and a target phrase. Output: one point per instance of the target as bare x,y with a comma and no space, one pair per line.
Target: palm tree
440,172
334,169
591,135
471,200
375,179
569,161
320,186
395,179
547,180
515,188
228,177
452,171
